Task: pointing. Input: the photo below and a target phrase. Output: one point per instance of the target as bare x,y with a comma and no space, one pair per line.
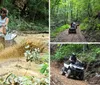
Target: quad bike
73,70
73,28
9,35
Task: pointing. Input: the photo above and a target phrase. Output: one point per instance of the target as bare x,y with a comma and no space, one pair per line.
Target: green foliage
32,54
62,28
82,51
58,30
81,11
45,70
25,80
33,15
98,26
87,57
83,26
66,51
97,50
20,80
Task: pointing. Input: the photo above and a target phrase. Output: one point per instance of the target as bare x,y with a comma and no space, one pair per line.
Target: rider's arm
7,20
70,58
79,60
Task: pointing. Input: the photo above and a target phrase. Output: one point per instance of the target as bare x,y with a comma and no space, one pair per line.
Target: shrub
60,29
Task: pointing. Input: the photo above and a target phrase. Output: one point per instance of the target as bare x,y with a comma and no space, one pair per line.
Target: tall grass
58,30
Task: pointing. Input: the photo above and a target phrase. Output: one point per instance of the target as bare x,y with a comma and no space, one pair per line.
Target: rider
3,20
73,58
73,24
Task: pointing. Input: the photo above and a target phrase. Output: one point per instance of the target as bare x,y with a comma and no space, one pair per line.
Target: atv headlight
82,68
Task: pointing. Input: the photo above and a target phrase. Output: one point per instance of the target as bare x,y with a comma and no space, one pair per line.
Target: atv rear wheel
68,73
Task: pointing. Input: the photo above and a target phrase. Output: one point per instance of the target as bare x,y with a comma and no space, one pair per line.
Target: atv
73,28
73,70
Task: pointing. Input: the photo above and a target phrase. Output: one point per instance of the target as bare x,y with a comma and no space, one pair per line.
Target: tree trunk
1,1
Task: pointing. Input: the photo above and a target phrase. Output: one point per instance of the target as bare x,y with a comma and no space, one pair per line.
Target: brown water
19,67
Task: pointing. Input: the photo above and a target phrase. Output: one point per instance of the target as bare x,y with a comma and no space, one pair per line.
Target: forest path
66,37
58,79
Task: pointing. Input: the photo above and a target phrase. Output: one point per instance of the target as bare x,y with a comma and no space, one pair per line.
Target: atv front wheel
62,71
81,77
68,73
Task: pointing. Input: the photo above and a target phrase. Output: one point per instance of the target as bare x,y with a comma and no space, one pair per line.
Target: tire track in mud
66,37
58,79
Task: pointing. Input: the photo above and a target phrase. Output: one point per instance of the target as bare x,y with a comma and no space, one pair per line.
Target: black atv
73,70
73,28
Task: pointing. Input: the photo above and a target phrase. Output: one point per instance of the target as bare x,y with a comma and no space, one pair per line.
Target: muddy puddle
19,67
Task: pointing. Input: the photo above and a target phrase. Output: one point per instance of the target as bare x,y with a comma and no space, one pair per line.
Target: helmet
73,54
74,23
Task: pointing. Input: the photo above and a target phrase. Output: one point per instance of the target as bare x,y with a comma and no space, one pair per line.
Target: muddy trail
58,79
13,61
66,37
19,67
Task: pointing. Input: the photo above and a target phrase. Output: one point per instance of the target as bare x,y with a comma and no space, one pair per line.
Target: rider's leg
3,30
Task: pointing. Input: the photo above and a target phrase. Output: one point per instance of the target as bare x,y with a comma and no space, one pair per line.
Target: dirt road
66,37
58,79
